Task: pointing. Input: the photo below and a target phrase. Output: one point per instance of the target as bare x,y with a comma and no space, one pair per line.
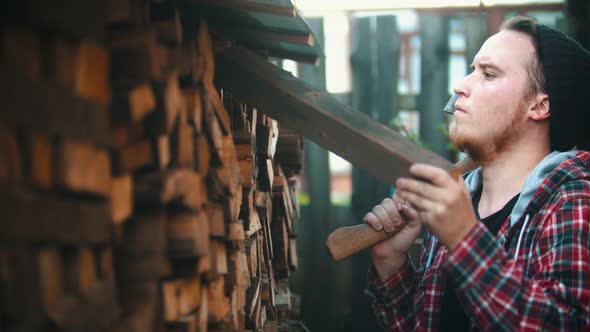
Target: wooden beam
265,7
354,136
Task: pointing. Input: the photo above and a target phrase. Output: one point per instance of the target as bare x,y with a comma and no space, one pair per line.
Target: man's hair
528,26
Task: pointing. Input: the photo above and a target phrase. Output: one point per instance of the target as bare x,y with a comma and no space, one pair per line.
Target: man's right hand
390,255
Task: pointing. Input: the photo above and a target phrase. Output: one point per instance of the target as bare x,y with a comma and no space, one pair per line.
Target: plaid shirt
547,288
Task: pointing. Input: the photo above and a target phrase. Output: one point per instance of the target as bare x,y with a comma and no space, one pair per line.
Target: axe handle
346,241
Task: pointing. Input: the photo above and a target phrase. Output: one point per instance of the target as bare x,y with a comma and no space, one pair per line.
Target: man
508,247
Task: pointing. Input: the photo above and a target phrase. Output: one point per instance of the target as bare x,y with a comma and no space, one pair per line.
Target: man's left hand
443,203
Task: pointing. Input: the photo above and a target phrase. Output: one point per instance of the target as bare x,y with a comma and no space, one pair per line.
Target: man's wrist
385,268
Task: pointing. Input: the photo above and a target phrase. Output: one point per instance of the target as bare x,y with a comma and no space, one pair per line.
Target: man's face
491,108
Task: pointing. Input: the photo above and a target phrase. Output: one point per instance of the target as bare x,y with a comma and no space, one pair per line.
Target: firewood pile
135,194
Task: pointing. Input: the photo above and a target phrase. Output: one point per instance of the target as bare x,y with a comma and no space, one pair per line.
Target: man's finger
392,210
418,202
436,176
383,217
373,221
420,188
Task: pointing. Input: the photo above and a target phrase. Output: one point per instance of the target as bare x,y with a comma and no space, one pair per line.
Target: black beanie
566,67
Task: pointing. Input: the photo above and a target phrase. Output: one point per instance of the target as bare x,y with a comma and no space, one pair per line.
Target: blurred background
396,61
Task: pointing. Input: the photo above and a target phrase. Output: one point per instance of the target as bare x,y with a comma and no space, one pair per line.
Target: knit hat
566,66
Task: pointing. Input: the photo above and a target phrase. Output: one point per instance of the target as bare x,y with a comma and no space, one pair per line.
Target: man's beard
485,149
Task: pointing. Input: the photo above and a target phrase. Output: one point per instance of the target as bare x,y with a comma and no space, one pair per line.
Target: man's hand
443,203
390,255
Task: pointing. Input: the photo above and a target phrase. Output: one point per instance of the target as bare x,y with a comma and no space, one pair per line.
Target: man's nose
462,87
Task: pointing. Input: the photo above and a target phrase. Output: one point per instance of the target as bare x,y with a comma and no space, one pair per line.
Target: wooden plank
49,109
218,256
218,303
83,168
180,297
10,159
212,100
169,105
282,8
44,217
188,235
322,118
178,186
21,50
131,105
194,108
144,154
86,18
121,198
182,143
202,154
215,216
79,269
51,277
82,67
39,151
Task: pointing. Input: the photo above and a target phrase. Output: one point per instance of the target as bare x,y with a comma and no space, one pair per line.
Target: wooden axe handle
344,242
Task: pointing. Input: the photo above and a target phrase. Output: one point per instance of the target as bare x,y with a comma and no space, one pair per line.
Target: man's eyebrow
486,65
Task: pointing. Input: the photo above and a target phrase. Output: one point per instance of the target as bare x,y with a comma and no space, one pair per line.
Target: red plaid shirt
547,288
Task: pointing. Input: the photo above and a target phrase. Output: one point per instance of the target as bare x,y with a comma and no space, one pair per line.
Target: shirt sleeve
392,300
498,294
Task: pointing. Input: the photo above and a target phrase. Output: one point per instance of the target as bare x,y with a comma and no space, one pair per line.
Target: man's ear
539,107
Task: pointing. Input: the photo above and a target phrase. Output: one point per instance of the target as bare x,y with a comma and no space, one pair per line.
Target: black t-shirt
453,318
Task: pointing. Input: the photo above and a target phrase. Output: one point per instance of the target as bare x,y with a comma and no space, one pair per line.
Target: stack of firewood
136,195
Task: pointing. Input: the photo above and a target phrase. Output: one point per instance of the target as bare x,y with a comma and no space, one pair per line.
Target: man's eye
487,75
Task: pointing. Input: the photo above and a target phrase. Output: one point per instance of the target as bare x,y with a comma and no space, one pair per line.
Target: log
121,198
83,168
218,303
180,298
82,67
10,160
182,143
188,235
79,269
34,217
177,187
215,216
194,108
202,155
218,256
40,156
132,105
21,50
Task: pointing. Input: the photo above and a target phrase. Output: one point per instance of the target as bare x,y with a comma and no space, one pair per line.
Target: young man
508,247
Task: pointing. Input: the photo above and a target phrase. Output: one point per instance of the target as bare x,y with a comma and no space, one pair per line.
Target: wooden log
205,47
121,198
43,217
131,105
39,152
79,269
10,160
254,224
251,246
80,19
245,164
51,277
83,168
146,153
188,235
253,298
106,270
214,105
293,261
235,231
215,216
180,297
50,109
142,252
169,105
265,176
215,138
182,143
202,155
194,108
82,67
188,323
21,50
218,304
137,57
180,187
280,246
203,312
121,136
218,256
